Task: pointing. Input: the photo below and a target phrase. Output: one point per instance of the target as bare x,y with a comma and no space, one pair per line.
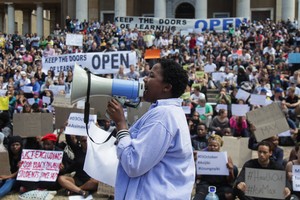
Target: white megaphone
127,89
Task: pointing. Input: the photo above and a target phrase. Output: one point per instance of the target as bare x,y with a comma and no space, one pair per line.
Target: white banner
97,63
74,39
172,24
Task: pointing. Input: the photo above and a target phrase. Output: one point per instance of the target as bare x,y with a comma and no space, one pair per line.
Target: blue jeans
6,186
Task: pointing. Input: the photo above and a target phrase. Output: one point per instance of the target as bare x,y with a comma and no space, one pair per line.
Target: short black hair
174,74
266,143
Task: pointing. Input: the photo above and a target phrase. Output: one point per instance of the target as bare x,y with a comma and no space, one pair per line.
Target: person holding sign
294,177
262,162
223,183
155,155
8,182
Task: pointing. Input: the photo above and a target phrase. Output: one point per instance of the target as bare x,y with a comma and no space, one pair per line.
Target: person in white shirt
269,49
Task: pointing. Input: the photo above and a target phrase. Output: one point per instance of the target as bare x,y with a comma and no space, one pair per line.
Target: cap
50,137
278,90
263,90
23,73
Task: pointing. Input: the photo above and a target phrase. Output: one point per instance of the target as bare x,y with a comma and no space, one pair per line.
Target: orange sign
152,53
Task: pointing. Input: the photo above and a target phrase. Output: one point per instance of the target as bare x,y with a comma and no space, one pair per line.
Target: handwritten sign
268,121
76,125
296,177
212,163
265,183
39,165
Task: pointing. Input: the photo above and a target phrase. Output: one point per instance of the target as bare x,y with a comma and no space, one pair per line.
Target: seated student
207,116
219,122
222,183
277,153
289,170
193,122
200,142
8,182
239,126
48,143
81,183
262,162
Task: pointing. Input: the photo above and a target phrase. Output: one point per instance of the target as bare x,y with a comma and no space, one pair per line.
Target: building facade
41,16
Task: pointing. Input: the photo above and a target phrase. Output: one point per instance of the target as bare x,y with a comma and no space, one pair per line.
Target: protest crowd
248,66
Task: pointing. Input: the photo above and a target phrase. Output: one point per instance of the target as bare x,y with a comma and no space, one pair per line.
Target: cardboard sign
62,115
237,149
133,114
62,101
152,54
4,166
212,163
265,183
268,121
105,189
39,165
32,124
99,103
74,39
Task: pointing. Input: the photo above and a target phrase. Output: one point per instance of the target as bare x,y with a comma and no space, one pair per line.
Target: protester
141,157
8,181
262,162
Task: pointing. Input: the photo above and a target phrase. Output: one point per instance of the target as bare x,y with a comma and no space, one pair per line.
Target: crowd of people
252,58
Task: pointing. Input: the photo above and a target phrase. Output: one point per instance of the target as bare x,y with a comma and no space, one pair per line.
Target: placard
218,76
32,124
221,106
2,92
74,39
152,54
239,109
46,100
62,115
186,110
268,121
236,148
265,183
209,68
258,99
57,89
212,163
201,110
39,165
241,94
4,160
76,125
27,89
296,177
30,101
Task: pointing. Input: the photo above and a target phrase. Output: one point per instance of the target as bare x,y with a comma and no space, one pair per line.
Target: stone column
2,14
288,10
201,9
10,18
52,20
160,8
39,19
82,10
26,21
243,8
120,8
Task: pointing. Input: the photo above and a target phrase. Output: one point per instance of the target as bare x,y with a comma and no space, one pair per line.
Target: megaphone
128,89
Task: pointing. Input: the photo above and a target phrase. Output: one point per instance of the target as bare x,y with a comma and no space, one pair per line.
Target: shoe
83,193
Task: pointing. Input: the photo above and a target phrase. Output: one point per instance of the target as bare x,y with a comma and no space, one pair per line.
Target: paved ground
104,197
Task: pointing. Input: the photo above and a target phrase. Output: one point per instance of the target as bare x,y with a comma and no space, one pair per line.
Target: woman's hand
116,113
